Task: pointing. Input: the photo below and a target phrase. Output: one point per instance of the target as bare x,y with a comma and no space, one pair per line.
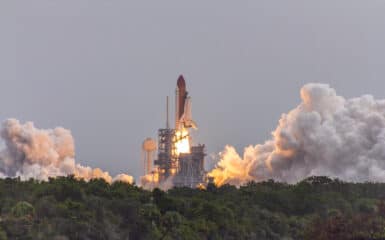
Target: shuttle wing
186,118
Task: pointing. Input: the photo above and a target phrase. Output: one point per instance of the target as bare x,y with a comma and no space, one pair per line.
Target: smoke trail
325,135
35,153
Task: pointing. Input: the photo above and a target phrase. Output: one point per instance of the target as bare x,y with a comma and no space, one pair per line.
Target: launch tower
177,160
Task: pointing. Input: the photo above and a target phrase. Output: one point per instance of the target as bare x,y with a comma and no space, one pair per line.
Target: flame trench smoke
325,135
35,153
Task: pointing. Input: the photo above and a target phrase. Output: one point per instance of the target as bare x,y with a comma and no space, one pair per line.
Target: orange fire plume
182,141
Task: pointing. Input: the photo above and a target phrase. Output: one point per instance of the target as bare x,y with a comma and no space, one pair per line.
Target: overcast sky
103,68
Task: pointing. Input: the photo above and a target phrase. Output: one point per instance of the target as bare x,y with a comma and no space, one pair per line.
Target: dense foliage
67,208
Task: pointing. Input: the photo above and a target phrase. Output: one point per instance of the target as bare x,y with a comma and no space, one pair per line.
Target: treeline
316,208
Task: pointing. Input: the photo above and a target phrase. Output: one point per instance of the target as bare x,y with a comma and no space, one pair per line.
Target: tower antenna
167,119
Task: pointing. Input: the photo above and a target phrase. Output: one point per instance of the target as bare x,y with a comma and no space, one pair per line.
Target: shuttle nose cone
181,82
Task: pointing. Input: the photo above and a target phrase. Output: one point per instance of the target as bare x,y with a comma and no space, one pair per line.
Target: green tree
23,209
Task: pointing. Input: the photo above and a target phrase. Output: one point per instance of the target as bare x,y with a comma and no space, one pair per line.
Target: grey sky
103,68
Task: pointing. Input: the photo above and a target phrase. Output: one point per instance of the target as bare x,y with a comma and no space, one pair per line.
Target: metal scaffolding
185,169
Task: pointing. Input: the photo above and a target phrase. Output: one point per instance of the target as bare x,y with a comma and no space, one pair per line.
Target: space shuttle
183,116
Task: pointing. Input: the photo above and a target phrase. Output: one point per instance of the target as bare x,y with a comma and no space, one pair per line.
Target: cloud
29,152
325,134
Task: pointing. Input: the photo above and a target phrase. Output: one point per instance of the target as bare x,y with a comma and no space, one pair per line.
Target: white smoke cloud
35,153
151,181
123,178
325,135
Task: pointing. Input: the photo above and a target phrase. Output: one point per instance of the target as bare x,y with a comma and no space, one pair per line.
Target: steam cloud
325,135
35,153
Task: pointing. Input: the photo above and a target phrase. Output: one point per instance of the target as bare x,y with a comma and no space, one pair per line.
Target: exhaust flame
35,153
182,141
325,135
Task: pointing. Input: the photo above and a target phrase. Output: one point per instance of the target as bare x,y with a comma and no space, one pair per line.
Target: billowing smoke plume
34,153
325,135
150,181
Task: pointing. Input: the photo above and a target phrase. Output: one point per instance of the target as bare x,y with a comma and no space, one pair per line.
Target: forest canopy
69,208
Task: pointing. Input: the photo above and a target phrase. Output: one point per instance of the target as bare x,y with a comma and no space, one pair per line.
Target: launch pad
178,161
